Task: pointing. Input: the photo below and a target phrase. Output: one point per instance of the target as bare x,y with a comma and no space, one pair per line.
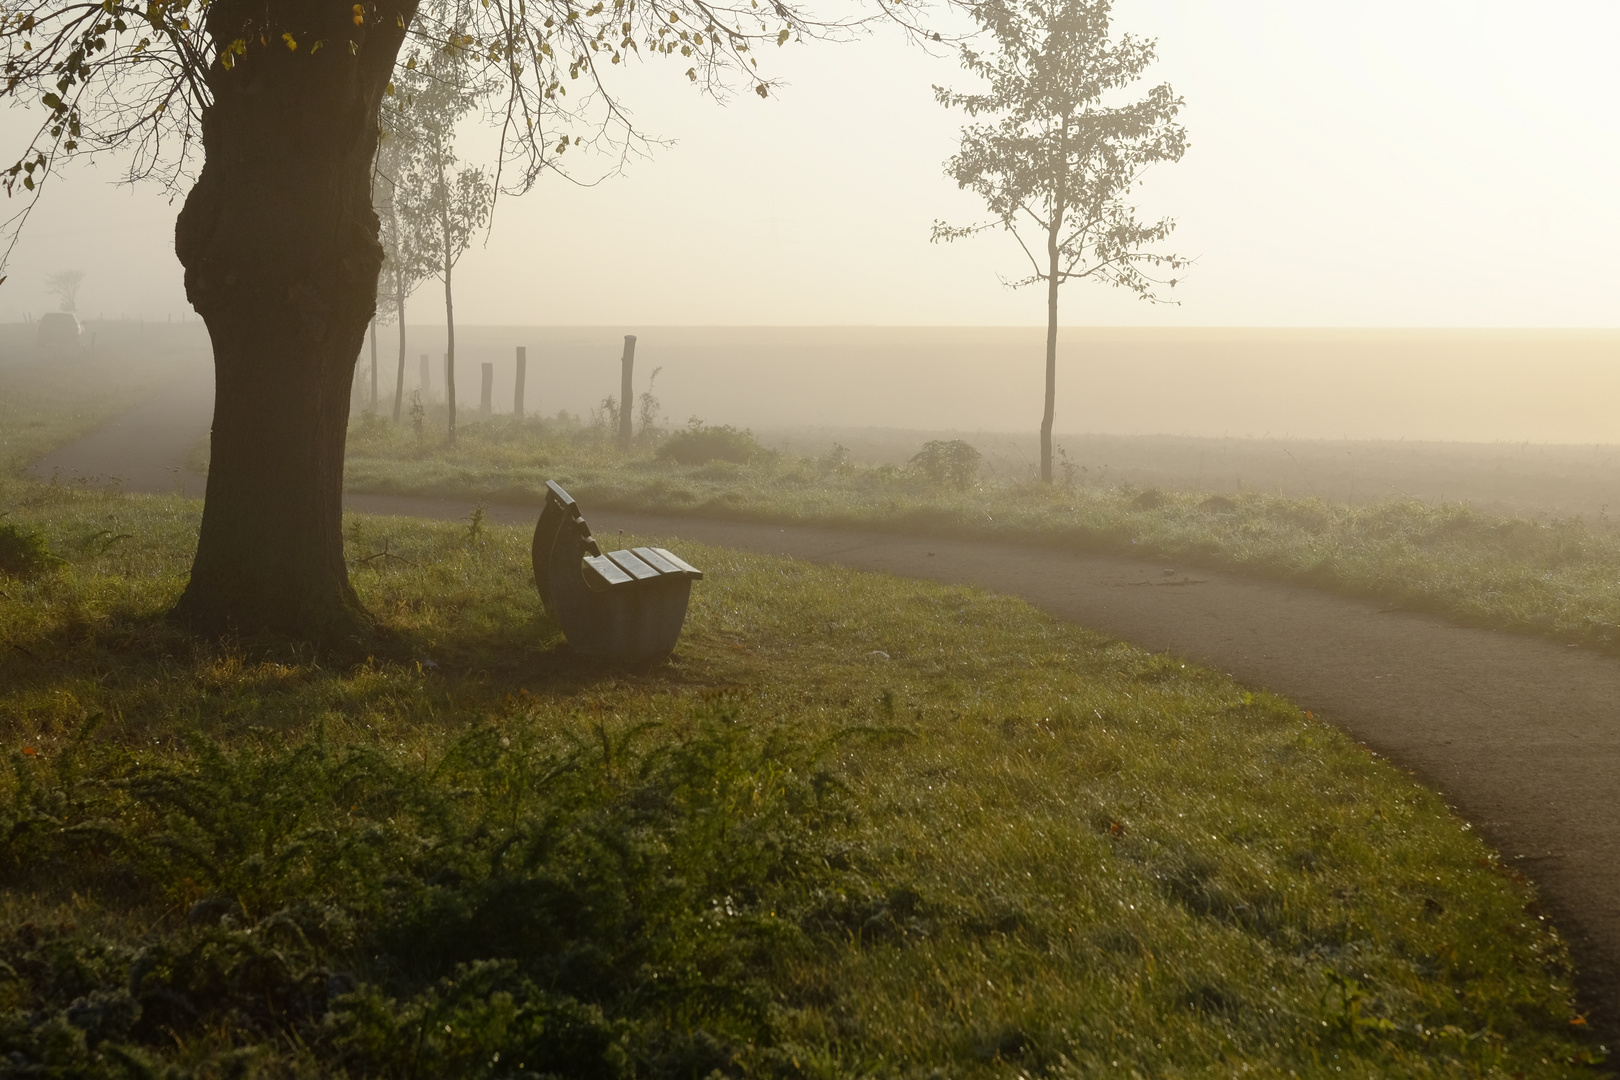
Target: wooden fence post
522,372
488,371
626,396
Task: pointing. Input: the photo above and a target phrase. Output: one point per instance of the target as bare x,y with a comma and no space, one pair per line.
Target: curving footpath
1522,735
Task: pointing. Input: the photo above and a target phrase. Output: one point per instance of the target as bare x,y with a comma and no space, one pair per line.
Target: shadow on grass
153,677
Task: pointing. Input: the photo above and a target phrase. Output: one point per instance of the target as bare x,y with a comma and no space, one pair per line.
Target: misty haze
1038,537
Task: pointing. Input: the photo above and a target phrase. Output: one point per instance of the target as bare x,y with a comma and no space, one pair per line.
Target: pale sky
1379,164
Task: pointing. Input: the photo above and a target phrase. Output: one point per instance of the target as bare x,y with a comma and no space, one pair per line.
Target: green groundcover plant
598,909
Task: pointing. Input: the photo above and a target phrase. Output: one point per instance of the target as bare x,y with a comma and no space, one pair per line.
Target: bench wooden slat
633,566
656,561
602,573
680,563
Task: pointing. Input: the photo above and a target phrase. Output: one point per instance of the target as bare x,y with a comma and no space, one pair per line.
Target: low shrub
954,462
702,443
24,553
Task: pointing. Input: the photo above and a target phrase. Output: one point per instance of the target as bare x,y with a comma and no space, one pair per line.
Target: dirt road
1521,735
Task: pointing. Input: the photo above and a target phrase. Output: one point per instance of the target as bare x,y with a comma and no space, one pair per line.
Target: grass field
1553,576
1530,479
857,826
45,405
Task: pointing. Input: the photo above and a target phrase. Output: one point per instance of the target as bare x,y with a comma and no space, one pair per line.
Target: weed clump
953,462
703,443
24,553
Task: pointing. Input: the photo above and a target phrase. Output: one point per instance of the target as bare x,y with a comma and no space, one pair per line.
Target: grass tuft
24,553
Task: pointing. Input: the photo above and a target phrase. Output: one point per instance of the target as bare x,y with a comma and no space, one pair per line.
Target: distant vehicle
60,334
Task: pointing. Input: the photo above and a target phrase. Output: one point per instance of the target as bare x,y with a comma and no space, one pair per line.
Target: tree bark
449,303
1054,235
399,379
373,406
450,345
522,375
1051,372
626,386
279,244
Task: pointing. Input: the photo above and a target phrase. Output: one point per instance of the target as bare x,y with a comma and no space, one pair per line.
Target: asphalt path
1521,735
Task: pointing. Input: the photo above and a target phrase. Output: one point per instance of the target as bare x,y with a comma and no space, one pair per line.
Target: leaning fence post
626,415
488,386
522,372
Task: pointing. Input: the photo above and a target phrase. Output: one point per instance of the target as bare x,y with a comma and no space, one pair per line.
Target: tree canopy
137,76
64,285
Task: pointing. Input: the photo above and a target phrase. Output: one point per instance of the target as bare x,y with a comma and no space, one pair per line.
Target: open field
45,404
1516,422
1067,854
1508,479
1544,386
1346,416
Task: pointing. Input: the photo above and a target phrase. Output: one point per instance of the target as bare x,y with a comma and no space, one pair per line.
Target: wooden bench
624,606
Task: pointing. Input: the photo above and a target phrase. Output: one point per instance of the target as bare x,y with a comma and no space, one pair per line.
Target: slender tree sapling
1061,154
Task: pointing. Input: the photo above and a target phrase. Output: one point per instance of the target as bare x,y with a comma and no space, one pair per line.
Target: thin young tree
280,101
1061,153
402,268
441,203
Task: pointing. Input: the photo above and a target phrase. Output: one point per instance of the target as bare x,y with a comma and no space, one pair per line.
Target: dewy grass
856,826
1558,577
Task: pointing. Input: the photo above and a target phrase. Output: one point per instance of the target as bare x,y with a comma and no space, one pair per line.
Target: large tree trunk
279,244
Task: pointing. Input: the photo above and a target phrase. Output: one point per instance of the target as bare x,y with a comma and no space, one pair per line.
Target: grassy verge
1554,577
857,826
